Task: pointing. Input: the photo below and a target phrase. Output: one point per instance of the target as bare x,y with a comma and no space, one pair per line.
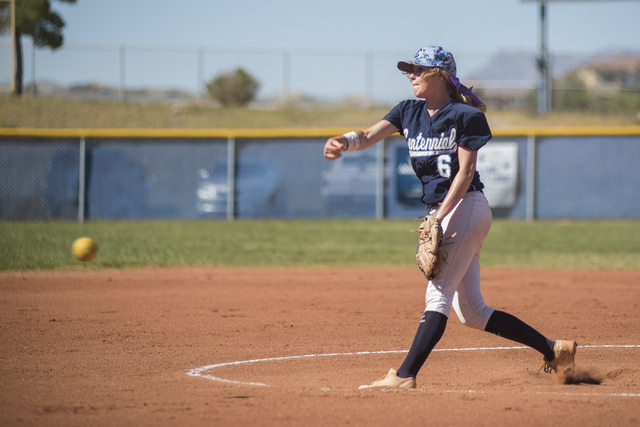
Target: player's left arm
467,160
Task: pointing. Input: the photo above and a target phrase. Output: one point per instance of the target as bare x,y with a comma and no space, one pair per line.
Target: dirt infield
221,347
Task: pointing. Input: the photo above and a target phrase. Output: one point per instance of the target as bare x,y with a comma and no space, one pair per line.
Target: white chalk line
198,372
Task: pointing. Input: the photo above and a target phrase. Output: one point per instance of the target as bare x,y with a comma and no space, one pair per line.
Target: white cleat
392,380
563,364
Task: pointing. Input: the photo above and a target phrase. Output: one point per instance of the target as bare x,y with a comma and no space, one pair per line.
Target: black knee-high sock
507,326
429,333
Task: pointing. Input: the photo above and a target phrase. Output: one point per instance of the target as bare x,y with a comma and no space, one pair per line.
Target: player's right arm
337,144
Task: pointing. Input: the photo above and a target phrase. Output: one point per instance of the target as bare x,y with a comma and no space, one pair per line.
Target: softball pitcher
444,129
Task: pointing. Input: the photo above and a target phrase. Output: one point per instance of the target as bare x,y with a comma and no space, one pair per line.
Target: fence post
231,178
380,181
285,78
201,88
369,81
33,69
121,92
81,180
531,179
544,65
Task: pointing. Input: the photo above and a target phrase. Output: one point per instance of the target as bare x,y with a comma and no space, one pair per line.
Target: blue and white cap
431,56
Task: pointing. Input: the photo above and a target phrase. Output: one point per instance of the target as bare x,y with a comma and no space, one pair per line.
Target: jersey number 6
444,165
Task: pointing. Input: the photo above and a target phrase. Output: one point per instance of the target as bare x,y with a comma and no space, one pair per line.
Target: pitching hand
333,148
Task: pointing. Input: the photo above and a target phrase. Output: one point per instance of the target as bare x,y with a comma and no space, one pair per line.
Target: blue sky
466,27
575,26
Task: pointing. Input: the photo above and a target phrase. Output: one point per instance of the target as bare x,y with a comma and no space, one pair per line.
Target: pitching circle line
198,372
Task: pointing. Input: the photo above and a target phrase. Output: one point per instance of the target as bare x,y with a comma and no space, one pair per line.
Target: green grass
28,112
43,112
564,244
309,243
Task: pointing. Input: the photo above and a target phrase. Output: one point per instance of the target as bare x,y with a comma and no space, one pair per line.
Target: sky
342,30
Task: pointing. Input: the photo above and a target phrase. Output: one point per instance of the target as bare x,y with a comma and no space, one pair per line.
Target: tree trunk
18,70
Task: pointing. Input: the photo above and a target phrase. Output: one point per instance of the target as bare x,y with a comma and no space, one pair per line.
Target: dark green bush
233,89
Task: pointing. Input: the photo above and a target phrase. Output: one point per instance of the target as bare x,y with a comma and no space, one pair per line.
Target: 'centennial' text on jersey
433,142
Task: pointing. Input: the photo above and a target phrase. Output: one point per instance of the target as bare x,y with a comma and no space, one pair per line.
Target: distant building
608,75
508,80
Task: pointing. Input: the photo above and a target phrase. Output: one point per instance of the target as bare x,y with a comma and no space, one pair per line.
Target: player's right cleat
563,364
392,380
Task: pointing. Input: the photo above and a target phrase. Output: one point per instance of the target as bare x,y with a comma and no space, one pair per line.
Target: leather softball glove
428,254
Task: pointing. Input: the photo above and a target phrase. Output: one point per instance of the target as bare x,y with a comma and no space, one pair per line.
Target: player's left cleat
392,380
563,364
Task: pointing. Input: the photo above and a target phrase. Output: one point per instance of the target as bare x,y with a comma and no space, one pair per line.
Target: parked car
408,185
349,185
258,189
114,184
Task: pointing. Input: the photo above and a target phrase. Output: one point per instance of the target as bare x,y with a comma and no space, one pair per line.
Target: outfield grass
309,243
43,112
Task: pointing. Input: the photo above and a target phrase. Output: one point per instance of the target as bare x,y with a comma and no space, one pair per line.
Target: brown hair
453,92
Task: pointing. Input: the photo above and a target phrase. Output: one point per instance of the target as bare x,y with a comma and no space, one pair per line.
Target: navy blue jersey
433,142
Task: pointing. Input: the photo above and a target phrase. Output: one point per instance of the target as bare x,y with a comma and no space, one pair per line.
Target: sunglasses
416,70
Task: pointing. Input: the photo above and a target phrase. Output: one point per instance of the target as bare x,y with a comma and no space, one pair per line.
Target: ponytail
457,91
460,92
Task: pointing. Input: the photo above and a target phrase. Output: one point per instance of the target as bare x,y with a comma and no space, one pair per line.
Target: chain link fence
311,78
584,177
134,178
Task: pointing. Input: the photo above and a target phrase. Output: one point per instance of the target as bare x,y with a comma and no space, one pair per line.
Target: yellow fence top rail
293,132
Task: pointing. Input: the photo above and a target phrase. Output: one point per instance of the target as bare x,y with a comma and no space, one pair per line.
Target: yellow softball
85,249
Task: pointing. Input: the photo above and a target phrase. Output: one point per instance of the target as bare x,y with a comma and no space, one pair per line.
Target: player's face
423,87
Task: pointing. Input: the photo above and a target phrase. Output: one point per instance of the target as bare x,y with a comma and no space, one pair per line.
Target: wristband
353,141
